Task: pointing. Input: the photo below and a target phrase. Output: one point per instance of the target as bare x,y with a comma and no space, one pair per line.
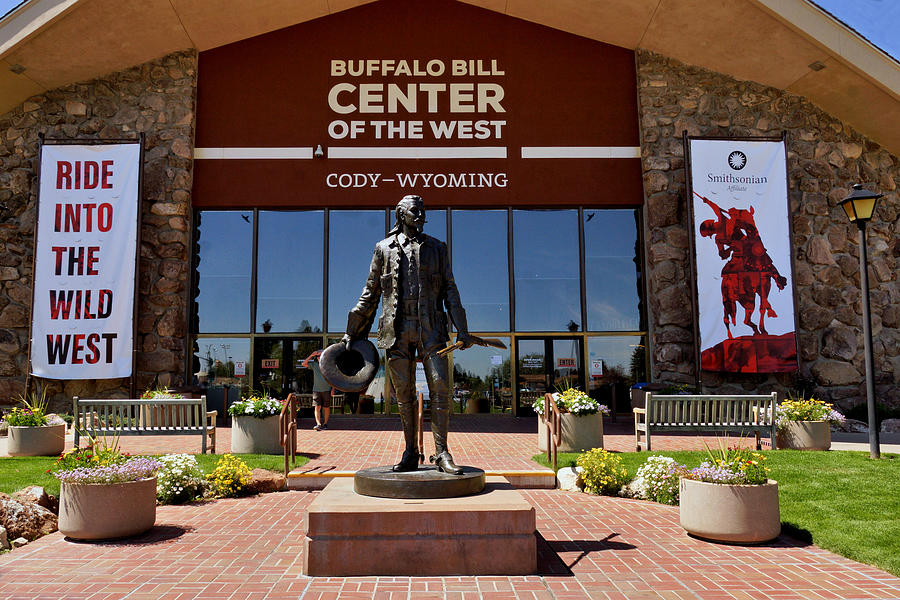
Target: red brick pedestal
491,533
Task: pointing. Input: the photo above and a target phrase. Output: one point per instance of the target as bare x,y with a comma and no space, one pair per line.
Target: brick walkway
591,547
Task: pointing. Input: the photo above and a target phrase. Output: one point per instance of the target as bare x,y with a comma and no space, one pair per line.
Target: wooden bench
171,416
727,413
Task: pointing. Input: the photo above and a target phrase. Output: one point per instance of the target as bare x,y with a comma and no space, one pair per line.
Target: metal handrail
553,422
287,428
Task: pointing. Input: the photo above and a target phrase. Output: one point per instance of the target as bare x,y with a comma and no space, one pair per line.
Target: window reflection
289,272
615,364
224,257
547,283
221,366
612,270
352,237
481,267
436,223
481,379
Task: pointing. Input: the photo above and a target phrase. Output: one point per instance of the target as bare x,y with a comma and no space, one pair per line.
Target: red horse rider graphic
749,271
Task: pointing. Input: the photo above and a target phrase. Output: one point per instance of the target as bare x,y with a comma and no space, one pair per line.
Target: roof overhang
45,44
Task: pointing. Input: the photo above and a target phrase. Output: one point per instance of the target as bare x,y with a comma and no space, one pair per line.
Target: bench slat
168,416
706,412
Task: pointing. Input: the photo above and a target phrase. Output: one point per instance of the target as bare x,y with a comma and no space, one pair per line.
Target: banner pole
137,265
689,200
37,209
787,194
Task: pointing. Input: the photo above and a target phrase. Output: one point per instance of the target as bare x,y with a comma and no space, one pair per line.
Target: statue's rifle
492,342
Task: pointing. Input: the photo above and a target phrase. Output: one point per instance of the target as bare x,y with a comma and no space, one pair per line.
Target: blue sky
876,20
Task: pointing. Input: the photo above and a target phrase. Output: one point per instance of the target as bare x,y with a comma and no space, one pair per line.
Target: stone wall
157,98
825,158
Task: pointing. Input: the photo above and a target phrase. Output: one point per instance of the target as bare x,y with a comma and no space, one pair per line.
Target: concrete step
314,479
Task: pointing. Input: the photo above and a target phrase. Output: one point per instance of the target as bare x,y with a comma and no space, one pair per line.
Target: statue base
491,533
425,482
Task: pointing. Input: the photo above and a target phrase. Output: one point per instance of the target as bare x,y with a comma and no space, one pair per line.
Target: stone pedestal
491,533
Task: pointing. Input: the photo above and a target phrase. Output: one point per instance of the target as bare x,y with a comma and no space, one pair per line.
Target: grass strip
17,472
841,501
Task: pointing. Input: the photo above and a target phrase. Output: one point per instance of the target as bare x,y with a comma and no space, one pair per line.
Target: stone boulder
37,495
22,518
4,541
264,481
55,419
890,426
851,426
569,479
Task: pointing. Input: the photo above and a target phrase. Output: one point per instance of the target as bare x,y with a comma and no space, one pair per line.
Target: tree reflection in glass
612,272
224,257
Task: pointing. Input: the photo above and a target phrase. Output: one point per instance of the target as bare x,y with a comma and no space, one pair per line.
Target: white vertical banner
84,271
742,249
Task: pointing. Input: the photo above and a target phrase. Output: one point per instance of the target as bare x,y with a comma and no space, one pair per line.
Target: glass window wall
551,251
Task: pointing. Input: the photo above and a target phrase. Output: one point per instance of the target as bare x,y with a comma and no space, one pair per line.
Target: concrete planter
49,440
804,435
579,433
741,514
99,511
250,435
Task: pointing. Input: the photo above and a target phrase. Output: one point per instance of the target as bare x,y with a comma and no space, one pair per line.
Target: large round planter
49,440
99,511
739,514
804,435
578,432
250,435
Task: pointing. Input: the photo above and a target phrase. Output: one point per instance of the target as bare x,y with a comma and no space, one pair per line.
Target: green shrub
603,472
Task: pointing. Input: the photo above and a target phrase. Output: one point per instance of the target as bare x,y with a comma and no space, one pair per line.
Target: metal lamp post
860,206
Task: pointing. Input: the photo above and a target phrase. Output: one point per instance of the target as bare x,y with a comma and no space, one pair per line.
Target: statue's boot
440,423
410,459
444,462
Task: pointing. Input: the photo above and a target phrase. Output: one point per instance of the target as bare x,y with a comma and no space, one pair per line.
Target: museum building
547,140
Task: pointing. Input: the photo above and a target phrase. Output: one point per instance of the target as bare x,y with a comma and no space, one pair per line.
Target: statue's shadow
551,563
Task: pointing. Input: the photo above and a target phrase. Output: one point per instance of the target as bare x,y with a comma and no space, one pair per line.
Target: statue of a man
411,271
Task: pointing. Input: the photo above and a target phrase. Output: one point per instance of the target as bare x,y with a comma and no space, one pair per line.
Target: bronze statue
411,271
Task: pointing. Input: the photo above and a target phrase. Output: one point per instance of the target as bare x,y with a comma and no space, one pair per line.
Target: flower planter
251,435
99,511
805,435
49,440
578,432
742,514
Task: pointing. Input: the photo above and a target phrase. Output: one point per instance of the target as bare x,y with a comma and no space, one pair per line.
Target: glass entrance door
278,365
546,364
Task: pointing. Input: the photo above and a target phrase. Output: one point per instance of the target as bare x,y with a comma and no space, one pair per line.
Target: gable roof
788,44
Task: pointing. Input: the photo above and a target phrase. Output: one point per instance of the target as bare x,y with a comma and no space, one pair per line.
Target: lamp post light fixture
860,206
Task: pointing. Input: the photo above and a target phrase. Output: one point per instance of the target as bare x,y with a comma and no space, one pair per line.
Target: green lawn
17,472
841,501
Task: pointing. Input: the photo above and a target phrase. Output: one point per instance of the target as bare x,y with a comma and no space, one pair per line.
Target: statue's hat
350,370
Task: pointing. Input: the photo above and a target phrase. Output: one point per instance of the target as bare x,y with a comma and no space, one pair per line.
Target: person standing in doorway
321,392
